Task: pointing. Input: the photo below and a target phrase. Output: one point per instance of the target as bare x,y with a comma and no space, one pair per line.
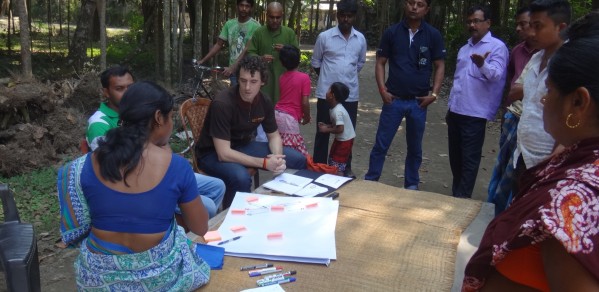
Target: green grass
36,198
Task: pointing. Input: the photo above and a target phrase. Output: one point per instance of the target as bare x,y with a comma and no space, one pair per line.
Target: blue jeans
233,80
389,122
466,136
235,175
212,191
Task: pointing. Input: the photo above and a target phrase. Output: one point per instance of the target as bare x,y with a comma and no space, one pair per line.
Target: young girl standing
340,125
293,107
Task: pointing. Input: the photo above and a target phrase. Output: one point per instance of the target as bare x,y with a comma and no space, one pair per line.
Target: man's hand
424,101
323,128
306,119
228,71
276,163
386,96
267,58
277,47
478,59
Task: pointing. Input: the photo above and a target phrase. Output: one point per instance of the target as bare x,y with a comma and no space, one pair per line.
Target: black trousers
321,140
466,136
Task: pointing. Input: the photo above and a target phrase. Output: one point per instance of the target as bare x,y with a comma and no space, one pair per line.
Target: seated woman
119,203
548,239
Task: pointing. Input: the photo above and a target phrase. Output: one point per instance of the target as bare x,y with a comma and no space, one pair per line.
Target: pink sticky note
251,199
312,205
238,211
238,228
274,235
277,208
212,236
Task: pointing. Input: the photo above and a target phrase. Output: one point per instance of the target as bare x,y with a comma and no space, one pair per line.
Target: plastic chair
18,248
193,113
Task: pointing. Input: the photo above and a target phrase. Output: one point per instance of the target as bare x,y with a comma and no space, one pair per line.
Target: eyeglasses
473,21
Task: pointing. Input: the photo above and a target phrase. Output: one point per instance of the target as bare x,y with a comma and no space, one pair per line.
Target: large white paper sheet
287,183
307,226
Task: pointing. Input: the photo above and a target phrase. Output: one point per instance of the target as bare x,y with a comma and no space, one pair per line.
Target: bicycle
205,83
206,80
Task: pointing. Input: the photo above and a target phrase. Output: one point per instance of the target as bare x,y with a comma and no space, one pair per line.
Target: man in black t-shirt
225,147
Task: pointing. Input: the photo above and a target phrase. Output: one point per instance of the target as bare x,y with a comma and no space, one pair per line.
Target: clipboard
330,192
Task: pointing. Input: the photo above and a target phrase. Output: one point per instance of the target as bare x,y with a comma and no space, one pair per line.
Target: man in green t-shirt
236,32
267,41
115,82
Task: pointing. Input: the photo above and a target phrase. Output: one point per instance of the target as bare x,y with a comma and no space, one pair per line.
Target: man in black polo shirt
413,48
225,147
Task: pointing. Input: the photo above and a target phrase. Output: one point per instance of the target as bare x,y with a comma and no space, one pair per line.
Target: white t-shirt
533,142
339,116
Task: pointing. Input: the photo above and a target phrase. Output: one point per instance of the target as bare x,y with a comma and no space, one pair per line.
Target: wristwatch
434,95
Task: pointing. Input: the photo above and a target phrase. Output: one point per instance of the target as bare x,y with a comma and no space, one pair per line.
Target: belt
405,97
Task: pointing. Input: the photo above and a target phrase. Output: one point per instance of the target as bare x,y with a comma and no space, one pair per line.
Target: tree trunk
68,23
102,17
166,45
295,14
331,14
77,54
49,15
26,68
317,15
60,17
11,23
197,30
206,31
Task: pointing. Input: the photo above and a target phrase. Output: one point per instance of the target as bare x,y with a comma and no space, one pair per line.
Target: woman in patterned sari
548,238
119,203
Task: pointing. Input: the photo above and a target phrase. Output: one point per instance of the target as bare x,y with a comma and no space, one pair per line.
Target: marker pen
286,280
261,266
261,272
284,274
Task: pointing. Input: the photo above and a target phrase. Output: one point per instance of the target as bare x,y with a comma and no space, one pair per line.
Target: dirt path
57,265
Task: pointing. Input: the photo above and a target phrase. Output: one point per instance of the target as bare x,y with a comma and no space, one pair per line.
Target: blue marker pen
278,281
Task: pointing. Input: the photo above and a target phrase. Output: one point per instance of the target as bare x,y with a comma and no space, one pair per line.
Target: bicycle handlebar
200,67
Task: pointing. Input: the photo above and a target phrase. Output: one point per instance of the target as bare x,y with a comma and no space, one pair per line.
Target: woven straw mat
387,238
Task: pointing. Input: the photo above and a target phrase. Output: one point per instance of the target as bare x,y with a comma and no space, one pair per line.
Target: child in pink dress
293,107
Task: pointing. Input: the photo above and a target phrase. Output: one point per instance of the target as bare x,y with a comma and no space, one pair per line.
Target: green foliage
36,198
455,38
135,21
305,58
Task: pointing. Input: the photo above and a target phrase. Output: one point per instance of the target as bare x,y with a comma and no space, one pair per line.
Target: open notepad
305,183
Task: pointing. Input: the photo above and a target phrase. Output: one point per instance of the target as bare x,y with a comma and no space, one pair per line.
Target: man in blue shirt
412,47
339,55
477,89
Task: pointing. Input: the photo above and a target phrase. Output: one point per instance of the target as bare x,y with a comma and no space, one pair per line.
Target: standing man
475,97
236,32
548,19
267,41
500,186
225,148
339,55
413,48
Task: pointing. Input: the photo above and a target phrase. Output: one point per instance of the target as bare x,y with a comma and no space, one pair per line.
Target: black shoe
349,173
